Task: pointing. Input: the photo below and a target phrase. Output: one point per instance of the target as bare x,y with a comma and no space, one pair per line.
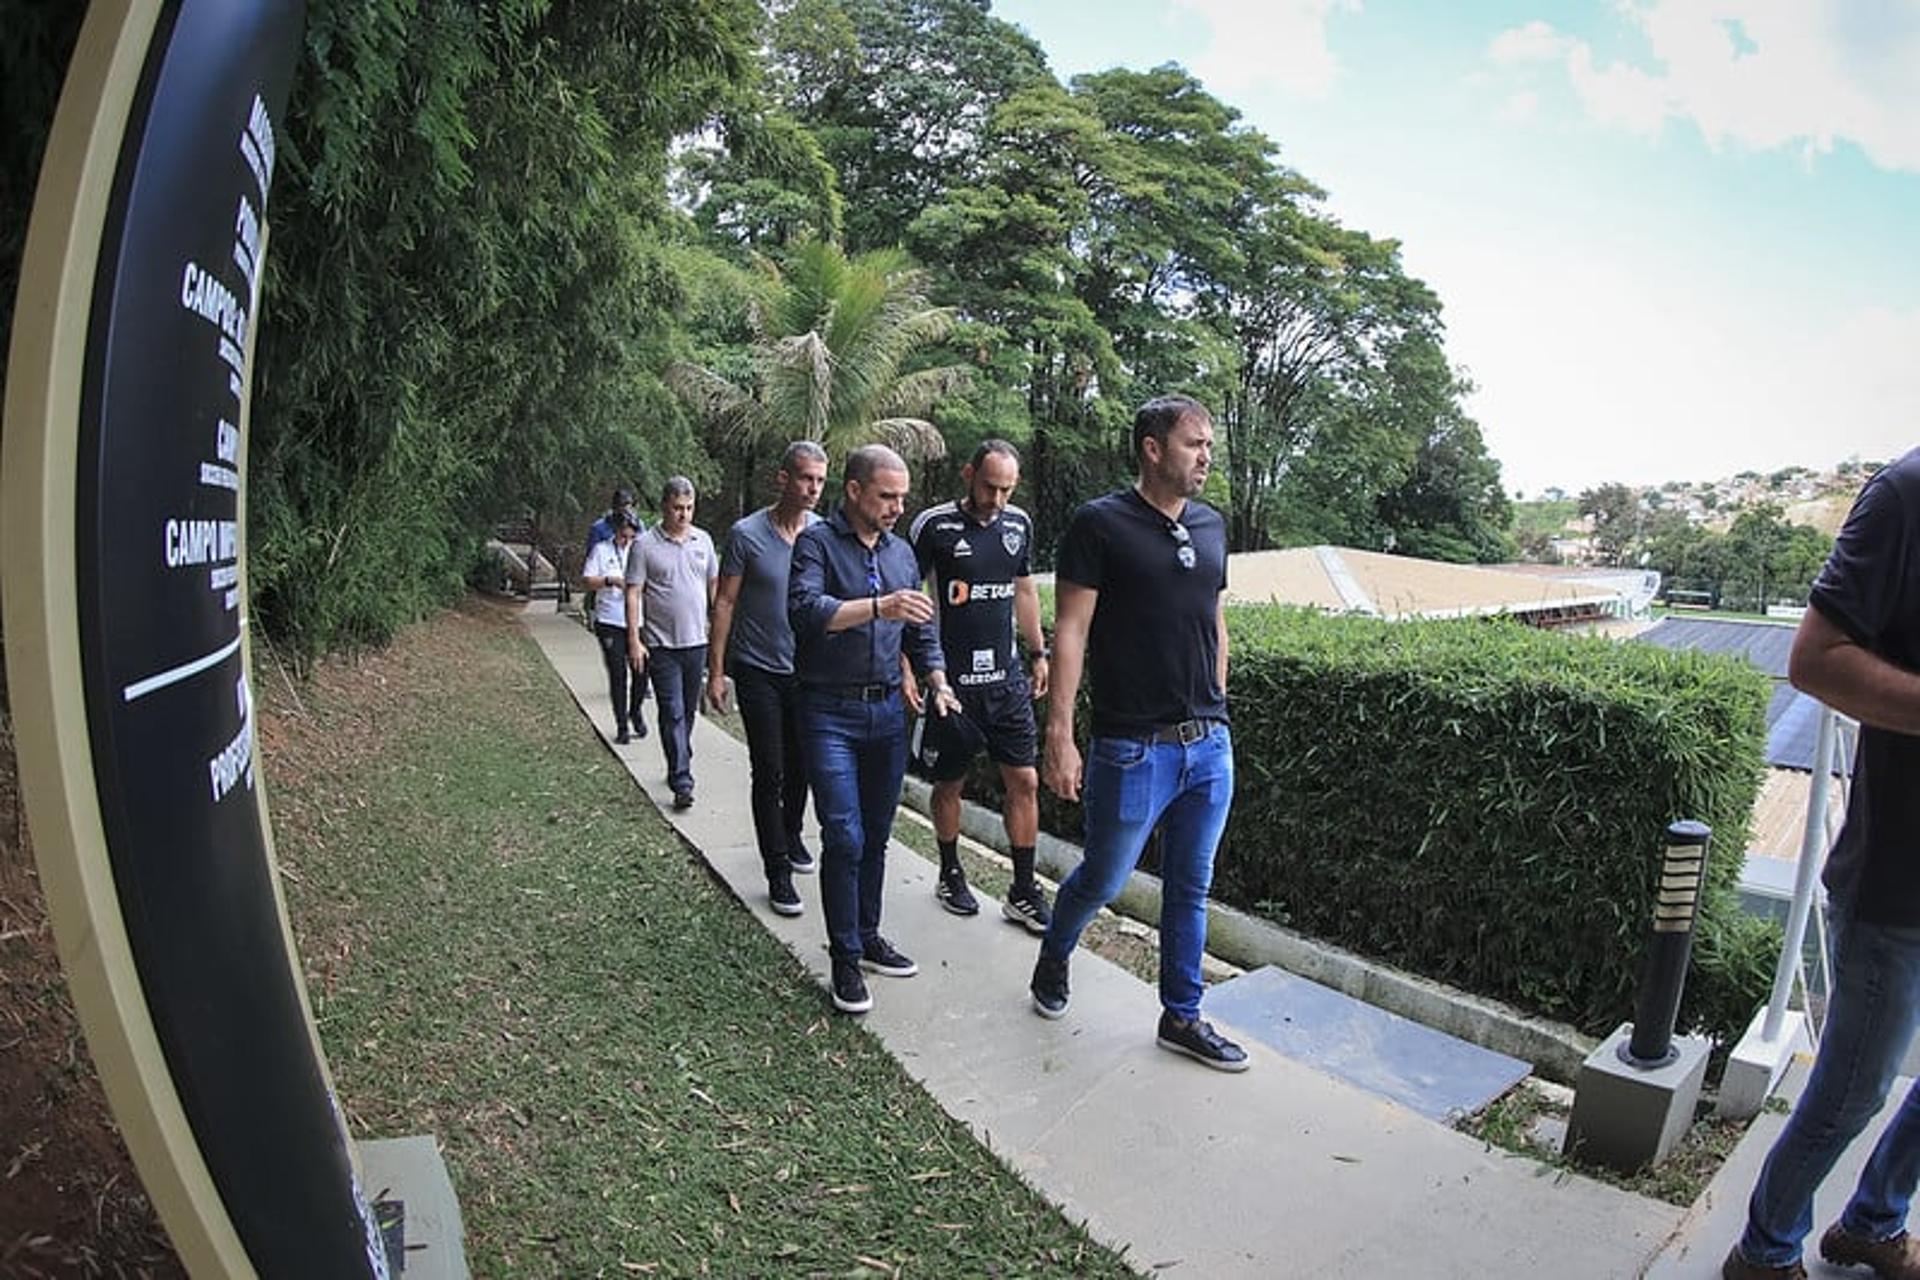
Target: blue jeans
678,676
1133,785
1870,1020
856,756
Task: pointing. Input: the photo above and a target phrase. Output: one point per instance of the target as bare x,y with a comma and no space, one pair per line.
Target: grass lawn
507,947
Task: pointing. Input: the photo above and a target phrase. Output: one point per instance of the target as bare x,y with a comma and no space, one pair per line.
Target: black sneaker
1049,986
683,799
780,894
622,738
1028,907
799,859
639,727
951,889
880,956
849,988
1199,1041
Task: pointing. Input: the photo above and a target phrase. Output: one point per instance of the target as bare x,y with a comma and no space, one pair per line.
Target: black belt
857,692
1184,734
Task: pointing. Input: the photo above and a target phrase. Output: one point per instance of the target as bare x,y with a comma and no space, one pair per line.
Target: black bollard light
1682,872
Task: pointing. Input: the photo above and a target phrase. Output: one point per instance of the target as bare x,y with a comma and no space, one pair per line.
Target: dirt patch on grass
70,1202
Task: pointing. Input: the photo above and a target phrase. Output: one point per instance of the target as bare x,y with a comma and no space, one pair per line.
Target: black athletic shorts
1004,713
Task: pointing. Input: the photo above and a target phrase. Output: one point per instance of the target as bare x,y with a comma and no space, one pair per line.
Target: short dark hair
987,448
623,518
808,449
869,458
622,498
1162,414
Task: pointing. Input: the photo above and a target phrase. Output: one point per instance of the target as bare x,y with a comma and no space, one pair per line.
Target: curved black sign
161,616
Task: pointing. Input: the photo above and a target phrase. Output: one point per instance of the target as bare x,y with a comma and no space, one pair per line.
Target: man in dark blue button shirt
1140,576
1858,651
854,601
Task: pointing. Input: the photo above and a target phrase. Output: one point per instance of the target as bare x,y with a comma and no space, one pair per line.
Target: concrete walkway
1278,1172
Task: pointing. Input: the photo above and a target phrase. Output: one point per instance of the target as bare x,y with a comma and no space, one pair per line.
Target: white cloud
1266,42
1521,106
1537,41
1763,74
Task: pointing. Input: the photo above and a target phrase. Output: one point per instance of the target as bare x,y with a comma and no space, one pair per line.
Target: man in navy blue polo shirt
1858,651
1139,580
855,605
979,552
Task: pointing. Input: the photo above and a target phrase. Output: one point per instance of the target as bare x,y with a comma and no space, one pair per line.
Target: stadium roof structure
1793,718
1345,580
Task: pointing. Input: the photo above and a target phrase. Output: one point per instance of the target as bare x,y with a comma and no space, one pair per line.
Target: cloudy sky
1675,239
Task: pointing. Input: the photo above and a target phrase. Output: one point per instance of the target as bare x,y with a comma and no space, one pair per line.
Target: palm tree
831,336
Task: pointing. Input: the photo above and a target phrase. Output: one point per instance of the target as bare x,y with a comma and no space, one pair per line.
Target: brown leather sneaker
1736,1267
1895,1258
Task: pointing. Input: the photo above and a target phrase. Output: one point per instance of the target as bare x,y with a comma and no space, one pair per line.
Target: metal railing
1834,737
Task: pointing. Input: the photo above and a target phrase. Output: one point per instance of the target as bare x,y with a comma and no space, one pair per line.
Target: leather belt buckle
1186,733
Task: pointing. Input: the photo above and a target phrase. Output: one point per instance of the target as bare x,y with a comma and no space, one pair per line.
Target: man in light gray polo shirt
671,570
753,642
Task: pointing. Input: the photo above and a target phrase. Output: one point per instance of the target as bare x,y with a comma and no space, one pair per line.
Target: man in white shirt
604,576
671,573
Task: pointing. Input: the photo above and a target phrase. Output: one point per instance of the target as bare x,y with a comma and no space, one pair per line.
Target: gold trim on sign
38,457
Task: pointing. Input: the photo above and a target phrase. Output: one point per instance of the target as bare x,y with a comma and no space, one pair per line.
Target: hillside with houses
1748,541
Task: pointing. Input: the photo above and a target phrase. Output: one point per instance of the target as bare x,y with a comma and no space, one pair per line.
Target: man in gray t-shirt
671,570
753,643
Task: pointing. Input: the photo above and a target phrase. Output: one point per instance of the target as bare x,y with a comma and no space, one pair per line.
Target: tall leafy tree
1770,560
1003,253
1617,519
1452,505
835,341
899,93
1182,185
1326,325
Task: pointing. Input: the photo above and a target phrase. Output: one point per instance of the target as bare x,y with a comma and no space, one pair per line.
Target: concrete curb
1555,1050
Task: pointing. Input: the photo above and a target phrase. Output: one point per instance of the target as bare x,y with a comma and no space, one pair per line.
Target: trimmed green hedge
1485,804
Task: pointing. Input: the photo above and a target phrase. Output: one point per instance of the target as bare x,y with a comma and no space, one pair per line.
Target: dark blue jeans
856,757
770,710
678,676
1870,1021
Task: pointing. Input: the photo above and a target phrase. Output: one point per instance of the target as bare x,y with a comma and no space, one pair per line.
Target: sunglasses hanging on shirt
1182,543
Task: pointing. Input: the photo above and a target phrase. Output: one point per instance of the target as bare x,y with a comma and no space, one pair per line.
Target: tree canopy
525,251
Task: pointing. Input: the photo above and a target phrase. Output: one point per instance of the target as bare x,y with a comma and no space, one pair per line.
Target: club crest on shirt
1010,539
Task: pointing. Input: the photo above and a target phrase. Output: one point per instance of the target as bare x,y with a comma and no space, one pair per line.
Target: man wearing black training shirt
1858,651
1140,577
978,551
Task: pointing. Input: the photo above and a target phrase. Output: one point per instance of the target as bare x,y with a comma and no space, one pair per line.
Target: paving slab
1438,1075
1280,1171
